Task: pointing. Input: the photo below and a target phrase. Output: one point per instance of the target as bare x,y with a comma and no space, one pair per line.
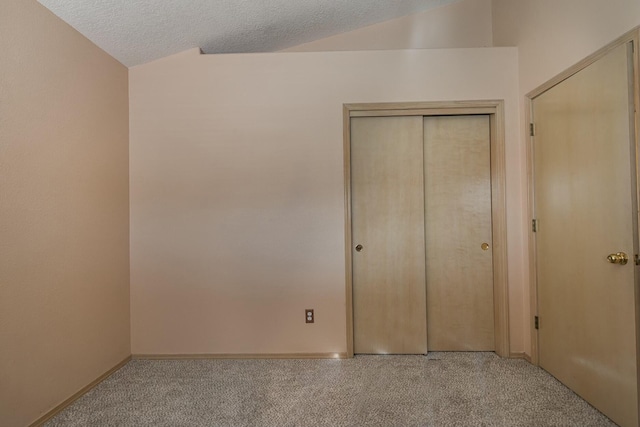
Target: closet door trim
495,110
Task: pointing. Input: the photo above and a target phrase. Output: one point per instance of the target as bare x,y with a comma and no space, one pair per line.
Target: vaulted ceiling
138,31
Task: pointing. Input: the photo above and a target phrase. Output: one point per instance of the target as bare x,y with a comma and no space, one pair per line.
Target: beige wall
465,23
237,189
551,36
64,258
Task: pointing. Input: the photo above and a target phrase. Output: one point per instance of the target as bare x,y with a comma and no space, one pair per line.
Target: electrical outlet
308,315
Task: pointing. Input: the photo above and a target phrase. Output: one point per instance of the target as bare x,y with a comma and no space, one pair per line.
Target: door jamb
633,37
495,110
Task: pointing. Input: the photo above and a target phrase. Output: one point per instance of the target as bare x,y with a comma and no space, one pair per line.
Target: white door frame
495,110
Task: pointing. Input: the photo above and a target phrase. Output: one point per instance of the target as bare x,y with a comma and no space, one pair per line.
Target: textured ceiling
138,31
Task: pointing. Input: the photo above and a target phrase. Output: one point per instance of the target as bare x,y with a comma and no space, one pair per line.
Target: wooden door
460,314
389,303
583,205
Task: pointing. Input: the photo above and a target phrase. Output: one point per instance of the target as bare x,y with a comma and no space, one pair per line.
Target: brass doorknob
358,248
484,246
618,258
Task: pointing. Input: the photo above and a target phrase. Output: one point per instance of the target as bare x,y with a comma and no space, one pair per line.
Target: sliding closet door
458,233
389,301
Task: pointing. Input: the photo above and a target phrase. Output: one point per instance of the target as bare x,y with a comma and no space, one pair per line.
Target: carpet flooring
441,389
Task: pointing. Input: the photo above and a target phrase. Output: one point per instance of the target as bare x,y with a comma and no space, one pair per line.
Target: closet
421,233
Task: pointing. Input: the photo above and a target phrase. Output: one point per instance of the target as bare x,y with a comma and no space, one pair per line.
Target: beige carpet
441,389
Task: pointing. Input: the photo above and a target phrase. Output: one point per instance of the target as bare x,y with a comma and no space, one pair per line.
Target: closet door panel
459,260
389,295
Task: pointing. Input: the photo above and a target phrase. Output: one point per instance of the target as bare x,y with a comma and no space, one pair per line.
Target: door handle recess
618,258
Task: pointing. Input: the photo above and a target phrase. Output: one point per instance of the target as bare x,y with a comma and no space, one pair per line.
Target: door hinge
534,225
536,322
532,129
